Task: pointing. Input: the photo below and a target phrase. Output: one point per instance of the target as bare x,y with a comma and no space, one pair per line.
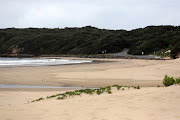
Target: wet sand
123,72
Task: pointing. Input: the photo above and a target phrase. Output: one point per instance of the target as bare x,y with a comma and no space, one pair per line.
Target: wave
8,62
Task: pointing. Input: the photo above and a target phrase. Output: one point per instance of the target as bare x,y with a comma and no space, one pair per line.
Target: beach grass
39,99
98,91
167,81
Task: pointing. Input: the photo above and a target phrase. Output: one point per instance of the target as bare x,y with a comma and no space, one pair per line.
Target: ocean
20,62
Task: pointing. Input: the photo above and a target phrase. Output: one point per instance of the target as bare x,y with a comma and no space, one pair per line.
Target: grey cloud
109,14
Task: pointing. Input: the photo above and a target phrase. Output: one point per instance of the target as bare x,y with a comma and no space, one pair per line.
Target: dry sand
148,103
145,104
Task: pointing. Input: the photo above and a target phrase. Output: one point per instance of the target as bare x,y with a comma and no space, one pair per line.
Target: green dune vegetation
90,40
167,81
86,91
170,81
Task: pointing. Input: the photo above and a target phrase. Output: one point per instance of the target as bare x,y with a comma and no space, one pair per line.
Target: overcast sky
108,14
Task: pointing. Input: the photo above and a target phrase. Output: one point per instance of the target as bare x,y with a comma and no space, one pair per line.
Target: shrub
89,91
108,87
60,98
168,81
138,87
98,91
64,95
102,89
117,86
109,92
177,80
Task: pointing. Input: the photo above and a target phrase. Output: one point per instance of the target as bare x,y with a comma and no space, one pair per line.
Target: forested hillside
89,40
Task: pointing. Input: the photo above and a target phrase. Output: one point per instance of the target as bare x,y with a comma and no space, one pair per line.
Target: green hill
89,40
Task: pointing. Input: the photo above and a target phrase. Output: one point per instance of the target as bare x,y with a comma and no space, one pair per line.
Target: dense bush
89,40
175,50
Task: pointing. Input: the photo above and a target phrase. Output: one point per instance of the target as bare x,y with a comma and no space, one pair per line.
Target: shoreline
125,72
92,62
98,56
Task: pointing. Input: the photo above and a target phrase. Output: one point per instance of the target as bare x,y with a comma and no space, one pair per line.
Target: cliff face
15,49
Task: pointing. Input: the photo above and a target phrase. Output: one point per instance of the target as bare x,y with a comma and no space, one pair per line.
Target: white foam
10,62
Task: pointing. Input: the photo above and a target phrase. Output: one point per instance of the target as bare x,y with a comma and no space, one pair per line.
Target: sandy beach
121,71
148,103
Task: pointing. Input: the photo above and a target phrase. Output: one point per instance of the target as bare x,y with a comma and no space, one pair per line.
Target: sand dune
144,104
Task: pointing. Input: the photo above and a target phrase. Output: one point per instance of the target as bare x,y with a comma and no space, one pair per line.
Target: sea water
17,62
35,86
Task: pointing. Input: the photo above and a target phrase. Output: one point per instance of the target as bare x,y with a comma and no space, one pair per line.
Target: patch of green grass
98,91
103,89
51,96
86,91
117,86
109,92
70,93
64,94
60,98
39,99
89,91
108,87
